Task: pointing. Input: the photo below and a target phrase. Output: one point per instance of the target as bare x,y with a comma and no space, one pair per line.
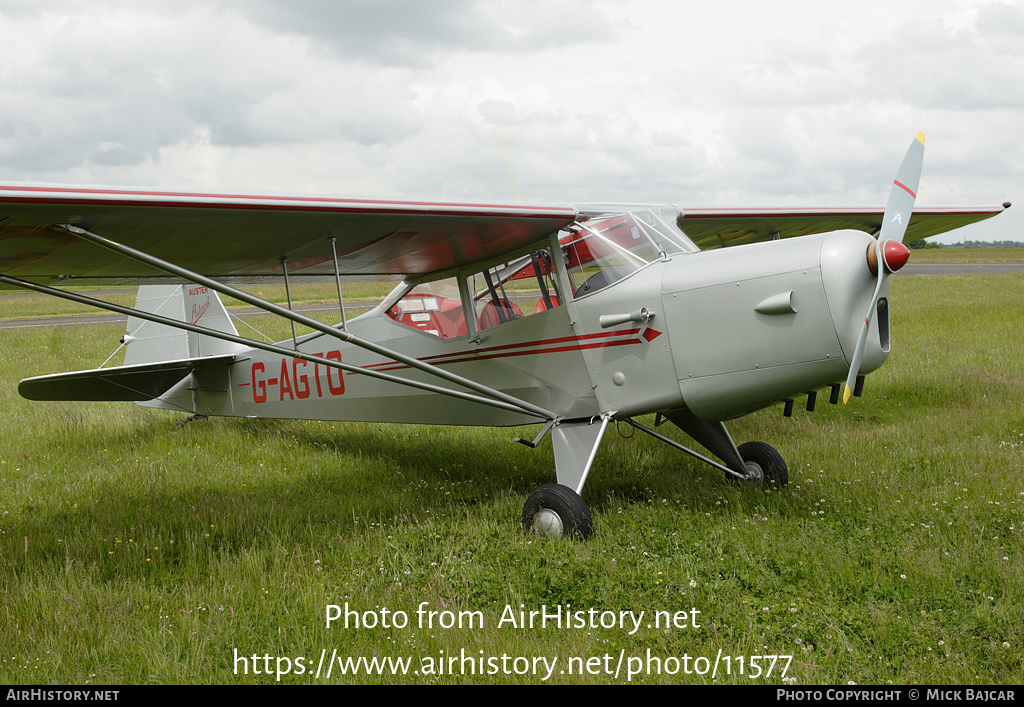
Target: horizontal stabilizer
133,383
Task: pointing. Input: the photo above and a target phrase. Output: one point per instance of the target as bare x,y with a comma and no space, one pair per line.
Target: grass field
15,304
967,255
137,549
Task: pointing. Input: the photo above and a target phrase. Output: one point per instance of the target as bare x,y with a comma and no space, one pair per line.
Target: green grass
136,549
967,255
16,304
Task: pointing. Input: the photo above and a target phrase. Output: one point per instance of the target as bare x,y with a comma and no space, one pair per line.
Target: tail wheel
770,463
556,511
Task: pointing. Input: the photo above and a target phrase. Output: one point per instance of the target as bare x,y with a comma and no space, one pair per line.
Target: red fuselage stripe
501,352
438,358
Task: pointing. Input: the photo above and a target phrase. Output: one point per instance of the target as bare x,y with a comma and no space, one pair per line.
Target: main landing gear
557,510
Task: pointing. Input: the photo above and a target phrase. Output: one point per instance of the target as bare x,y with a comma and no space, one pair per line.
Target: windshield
606,244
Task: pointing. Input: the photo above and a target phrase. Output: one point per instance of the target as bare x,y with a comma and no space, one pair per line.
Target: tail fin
149,342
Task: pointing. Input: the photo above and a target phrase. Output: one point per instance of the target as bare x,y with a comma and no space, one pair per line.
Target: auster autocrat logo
293,382
199,310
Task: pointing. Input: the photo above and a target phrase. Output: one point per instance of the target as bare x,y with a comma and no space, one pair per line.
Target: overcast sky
655,101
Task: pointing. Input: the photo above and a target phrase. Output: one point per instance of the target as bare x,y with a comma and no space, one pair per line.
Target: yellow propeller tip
846,394
920,137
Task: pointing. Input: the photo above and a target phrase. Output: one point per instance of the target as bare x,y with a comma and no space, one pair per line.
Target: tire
773,466
556,511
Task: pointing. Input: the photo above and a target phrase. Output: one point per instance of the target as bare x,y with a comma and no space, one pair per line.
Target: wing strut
345,336
337,276
288,293
178,324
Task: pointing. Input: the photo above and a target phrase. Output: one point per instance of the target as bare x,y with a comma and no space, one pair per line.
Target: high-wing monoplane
569,316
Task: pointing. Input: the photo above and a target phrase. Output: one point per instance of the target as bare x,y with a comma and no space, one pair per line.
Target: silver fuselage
730,331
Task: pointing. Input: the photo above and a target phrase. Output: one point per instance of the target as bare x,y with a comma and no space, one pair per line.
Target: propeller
888,254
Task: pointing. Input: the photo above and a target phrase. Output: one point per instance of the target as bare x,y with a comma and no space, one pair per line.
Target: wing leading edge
716,227
223,235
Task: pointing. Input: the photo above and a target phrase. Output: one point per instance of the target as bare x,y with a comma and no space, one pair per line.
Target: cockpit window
431,307
516,289
519,288
604,246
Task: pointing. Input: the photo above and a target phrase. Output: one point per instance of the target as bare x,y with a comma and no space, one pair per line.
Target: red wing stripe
299,202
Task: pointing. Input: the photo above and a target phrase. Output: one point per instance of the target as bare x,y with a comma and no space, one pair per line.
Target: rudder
150,342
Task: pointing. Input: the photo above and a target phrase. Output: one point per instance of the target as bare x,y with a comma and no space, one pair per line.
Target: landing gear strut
557,511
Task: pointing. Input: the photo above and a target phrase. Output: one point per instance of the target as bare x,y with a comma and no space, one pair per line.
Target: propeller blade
862,339
903,193
889,252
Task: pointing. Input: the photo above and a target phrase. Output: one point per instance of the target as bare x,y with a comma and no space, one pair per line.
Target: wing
222,235
711,227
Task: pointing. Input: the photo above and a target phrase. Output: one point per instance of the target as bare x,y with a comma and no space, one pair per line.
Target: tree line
922,244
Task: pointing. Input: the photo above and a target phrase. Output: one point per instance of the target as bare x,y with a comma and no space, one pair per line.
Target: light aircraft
570,316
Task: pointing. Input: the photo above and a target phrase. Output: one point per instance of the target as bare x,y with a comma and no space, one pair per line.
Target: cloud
928,64
413,33
156,77
604,100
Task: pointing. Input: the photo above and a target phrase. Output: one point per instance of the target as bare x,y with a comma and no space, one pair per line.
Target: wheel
771,467
556,511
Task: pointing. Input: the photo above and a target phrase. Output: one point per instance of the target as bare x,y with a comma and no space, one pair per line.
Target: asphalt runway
83,319
918,269
909,270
